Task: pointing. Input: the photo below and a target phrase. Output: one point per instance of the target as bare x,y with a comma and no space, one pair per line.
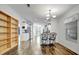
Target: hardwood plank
58,49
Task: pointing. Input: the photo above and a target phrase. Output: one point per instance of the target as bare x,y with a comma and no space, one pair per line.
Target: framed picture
71,31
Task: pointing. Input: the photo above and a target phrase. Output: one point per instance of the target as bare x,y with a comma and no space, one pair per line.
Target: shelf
6,50
4,33
3,39
14,41
14,33
4,44
14,19
13,28
4,27
14,24
8,38
7,31
4,20
14,37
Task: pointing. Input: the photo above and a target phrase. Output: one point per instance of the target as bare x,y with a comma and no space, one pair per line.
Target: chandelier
51,14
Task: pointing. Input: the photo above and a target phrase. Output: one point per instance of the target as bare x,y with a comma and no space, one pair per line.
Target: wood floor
57,49
34,48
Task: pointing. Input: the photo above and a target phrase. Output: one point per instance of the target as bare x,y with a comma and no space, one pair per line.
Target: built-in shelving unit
8,32
14,34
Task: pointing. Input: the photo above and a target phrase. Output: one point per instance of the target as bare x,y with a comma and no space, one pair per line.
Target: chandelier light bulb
54,16
47,18
47,15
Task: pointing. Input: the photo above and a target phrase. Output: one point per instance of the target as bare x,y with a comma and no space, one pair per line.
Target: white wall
61,31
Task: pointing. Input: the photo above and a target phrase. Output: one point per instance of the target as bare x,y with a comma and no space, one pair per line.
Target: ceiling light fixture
51,14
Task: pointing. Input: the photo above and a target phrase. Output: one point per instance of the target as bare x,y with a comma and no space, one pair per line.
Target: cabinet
8,32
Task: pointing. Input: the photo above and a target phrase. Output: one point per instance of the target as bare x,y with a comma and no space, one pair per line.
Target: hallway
30,47
39,29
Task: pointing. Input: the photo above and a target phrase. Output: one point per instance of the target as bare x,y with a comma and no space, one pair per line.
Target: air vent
28,5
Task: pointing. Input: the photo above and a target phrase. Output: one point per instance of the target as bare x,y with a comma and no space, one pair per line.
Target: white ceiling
37,12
